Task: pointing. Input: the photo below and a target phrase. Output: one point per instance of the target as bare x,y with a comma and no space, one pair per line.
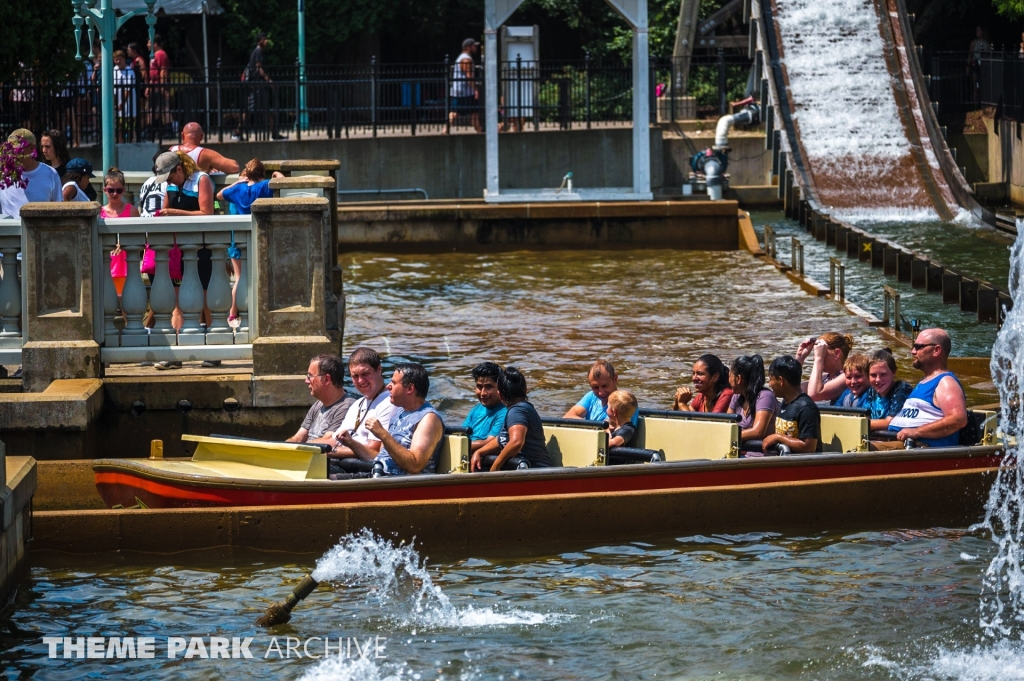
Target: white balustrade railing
11,294
161,319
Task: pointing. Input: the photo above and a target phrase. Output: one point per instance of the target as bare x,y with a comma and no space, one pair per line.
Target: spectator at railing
194,195
979,46
42,182
76,179
251,185
258,82
464,91
208,160
55,151
159,76
138,63
153,194
124,96
113,187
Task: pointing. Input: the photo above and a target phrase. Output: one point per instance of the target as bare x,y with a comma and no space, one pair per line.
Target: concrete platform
478,227
19,476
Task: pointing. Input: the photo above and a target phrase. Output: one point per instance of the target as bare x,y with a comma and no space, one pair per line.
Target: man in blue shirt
486,418
594,405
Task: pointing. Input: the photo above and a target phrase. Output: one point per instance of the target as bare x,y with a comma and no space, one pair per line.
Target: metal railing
796,256
370,99
891,295
770,246
960,83
837,265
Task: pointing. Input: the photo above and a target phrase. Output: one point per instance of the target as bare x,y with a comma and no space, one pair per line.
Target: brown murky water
651,313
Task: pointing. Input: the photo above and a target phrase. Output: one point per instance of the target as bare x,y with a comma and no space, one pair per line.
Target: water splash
1002,604
341,669
999,661
399,577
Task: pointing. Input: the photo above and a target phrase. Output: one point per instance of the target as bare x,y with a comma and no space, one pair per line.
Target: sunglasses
114,191
921,346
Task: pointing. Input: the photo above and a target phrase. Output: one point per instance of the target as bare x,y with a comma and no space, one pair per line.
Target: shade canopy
173,6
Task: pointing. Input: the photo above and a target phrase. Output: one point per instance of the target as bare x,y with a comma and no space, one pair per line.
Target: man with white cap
42,181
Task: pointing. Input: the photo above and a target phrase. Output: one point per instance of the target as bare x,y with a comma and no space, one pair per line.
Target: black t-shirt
627,432
534,449
255,62
800,419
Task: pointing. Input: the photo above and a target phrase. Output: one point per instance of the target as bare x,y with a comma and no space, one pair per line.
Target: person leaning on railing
195,188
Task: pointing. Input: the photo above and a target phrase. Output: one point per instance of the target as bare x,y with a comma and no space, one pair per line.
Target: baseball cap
469,42
24,134
80,165
165,163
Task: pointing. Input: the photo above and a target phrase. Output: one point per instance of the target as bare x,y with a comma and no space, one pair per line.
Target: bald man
937,408
208,160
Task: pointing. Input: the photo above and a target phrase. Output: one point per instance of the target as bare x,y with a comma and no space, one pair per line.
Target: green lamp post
303,122
104,20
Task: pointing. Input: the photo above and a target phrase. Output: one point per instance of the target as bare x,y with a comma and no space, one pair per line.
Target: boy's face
881,377
487,392
776,384
856,381
613,416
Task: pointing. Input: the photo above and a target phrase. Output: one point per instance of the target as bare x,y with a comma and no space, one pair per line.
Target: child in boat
485,419
621,409
855,369
829,352
886,396
798,425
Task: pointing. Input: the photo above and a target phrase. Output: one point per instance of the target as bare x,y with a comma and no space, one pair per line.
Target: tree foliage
1011,9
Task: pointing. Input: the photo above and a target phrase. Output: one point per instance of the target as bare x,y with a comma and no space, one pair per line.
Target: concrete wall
17,485
1006,157
972,154
749,162
450,167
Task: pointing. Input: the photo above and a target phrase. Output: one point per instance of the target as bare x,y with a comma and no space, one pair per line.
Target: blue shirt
848,399
242,195
885,407
596,411
485,422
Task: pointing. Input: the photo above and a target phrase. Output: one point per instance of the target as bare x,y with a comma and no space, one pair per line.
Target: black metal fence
961,83
374,99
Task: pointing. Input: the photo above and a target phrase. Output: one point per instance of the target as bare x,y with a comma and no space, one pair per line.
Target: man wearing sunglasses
937,408
325,378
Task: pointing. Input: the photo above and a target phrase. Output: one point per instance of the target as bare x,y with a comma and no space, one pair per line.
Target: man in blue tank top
937,408
412,442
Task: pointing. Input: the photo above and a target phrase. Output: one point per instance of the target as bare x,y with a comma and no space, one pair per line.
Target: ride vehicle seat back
689,435
454,450
981,428
575,443
844,429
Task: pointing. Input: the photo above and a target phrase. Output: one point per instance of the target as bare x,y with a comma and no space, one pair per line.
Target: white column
242,294
161,296
641,104
218,293
111,336
190,293
10,294
134,299
491,59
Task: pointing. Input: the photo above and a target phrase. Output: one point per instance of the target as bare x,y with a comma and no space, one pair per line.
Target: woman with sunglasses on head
113,187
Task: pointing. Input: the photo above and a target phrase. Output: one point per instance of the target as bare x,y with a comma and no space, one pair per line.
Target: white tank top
79,194
193,154
461,87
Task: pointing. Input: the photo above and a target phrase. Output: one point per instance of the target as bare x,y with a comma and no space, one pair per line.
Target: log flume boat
680,451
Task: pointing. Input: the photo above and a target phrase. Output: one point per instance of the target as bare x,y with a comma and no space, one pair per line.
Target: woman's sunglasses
113,191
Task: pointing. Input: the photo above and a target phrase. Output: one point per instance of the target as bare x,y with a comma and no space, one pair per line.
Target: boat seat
575,443
514,464
688,435
618,456
455,451
844,429
986,422
300,461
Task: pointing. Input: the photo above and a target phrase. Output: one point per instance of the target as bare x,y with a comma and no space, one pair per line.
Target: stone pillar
291,263
57,273
325,186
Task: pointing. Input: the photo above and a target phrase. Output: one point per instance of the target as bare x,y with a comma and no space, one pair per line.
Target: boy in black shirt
621,407
798,425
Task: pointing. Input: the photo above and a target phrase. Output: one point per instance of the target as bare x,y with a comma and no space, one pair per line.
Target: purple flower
12,168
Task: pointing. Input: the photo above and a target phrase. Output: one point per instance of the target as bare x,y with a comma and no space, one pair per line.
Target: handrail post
835,264
373,94
796,255
220,107
892,294
298,101
447,97
586,61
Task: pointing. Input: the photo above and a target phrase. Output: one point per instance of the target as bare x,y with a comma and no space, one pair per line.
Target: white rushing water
398,578
844,108
1002,609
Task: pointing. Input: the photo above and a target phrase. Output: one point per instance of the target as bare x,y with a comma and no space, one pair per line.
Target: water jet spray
281,612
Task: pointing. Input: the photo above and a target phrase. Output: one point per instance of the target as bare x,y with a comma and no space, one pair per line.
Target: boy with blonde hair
621,410
855,369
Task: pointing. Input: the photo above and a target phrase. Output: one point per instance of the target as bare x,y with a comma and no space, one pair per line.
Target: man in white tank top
465,98
208,160
936,410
